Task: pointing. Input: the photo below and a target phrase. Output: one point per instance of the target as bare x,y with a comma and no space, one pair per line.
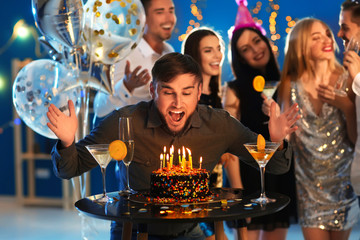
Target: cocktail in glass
102,156
262,157
270,88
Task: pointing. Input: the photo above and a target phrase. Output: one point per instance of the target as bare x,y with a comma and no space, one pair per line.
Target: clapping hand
63,126
134,79
281,125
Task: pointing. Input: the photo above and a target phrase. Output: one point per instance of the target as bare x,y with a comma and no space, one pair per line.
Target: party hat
244,18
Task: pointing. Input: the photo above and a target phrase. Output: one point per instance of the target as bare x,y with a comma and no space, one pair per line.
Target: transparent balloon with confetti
113,28
39,84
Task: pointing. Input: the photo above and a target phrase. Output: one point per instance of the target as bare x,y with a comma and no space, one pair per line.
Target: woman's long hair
298,54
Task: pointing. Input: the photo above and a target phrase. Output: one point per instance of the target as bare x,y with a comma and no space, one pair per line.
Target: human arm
75,159
231,103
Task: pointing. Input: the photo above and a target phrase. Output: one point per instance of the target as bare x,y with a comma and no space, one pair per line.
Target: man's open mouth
176,116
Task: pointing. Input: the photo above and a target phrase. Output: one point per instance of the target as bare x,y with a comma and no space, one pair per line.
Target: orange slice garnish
259,83
260,142
117,150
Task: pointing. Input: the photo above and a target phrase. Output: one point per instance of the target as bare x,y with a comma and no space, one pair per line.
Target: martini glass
127,136
102,156
270,88
262,157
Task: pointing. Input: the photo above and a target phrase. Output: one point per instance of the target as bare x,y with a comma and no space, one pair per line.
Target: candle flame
200,160
183,150
161,156
167,157
172,150
179,151
164,149
189,152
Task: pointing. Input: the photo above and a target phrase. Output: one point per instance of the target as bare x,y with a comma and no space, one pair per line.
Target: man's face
160,19
176,100
348,29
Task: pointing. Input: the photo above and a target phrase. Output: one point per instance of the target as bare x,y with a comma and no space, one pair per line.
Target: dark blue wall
217,14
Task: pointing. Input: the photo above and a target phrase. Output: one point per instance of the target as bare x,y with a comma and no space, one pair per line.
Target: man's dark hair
146,4
171,65
354,7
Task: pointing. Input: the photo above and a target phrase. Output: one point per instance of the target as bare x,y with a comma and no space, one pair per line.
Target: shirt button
126,95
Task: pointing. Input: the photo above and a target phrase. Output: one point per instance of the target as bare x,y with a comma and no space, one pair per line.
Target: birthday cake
179,183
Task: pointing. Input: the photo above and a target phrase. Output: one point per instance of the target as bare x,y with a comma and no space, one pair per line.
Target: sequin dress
323,156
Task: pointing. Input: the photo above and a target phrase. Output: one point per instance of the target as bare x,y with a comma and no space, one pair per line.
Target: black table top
229,204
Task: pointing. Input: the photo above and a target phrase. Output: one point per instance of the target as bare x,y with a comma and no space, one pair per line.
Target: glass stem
127,177
262,177
103,172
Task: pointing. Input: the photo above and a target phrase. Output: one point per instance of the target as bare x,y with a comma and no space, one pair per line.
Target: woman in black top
251,55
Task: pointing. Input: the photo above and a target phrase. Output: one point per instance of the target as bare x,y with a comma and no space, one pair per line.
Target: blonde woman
323,143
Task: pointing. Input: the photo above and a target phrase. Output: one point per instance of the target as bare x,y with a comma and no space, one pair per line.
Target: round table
229,204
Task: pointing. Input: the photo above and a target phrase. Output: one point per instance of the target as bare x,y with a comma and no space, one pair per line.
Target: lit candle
200,162
190,158
167,161
171,155
164,156
179,153
183,160
161,160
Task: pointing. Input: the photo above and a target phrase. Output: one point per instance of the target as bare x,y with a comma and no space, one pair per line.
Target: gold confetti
138,22
99,44
97,14
132,32
122,4
133,46
108,15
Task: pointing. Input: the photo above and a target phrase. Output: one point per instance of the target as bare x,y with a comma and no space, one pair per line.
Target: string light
2,83
197,13
23,31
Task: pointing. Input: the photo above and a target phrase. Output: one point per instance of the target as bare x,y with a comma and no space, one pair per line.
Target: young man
132,85
349,21
173,117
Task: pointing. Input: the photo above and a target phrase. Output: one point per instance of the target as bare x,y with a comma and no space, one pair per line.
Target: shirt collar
155,121
147,51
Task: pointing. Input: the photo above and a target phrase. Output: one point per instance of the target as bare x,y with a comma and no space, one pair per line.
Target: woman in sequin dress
323,143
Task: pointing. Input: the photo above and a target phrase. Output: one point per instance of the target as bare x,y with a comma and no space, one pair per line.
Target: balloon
113,28
39,84
60,20
54,52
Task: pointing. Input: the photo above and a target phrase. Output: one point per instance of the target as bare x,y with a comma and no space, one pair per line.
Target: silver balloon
54,54
60,20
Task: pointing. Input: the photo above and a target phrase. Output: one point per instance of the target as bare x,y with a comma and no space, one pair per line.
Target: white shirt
142,55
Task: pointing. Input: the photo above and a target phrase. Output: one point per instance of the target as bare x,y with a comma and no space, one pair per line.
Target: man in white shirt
349,21
132,85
